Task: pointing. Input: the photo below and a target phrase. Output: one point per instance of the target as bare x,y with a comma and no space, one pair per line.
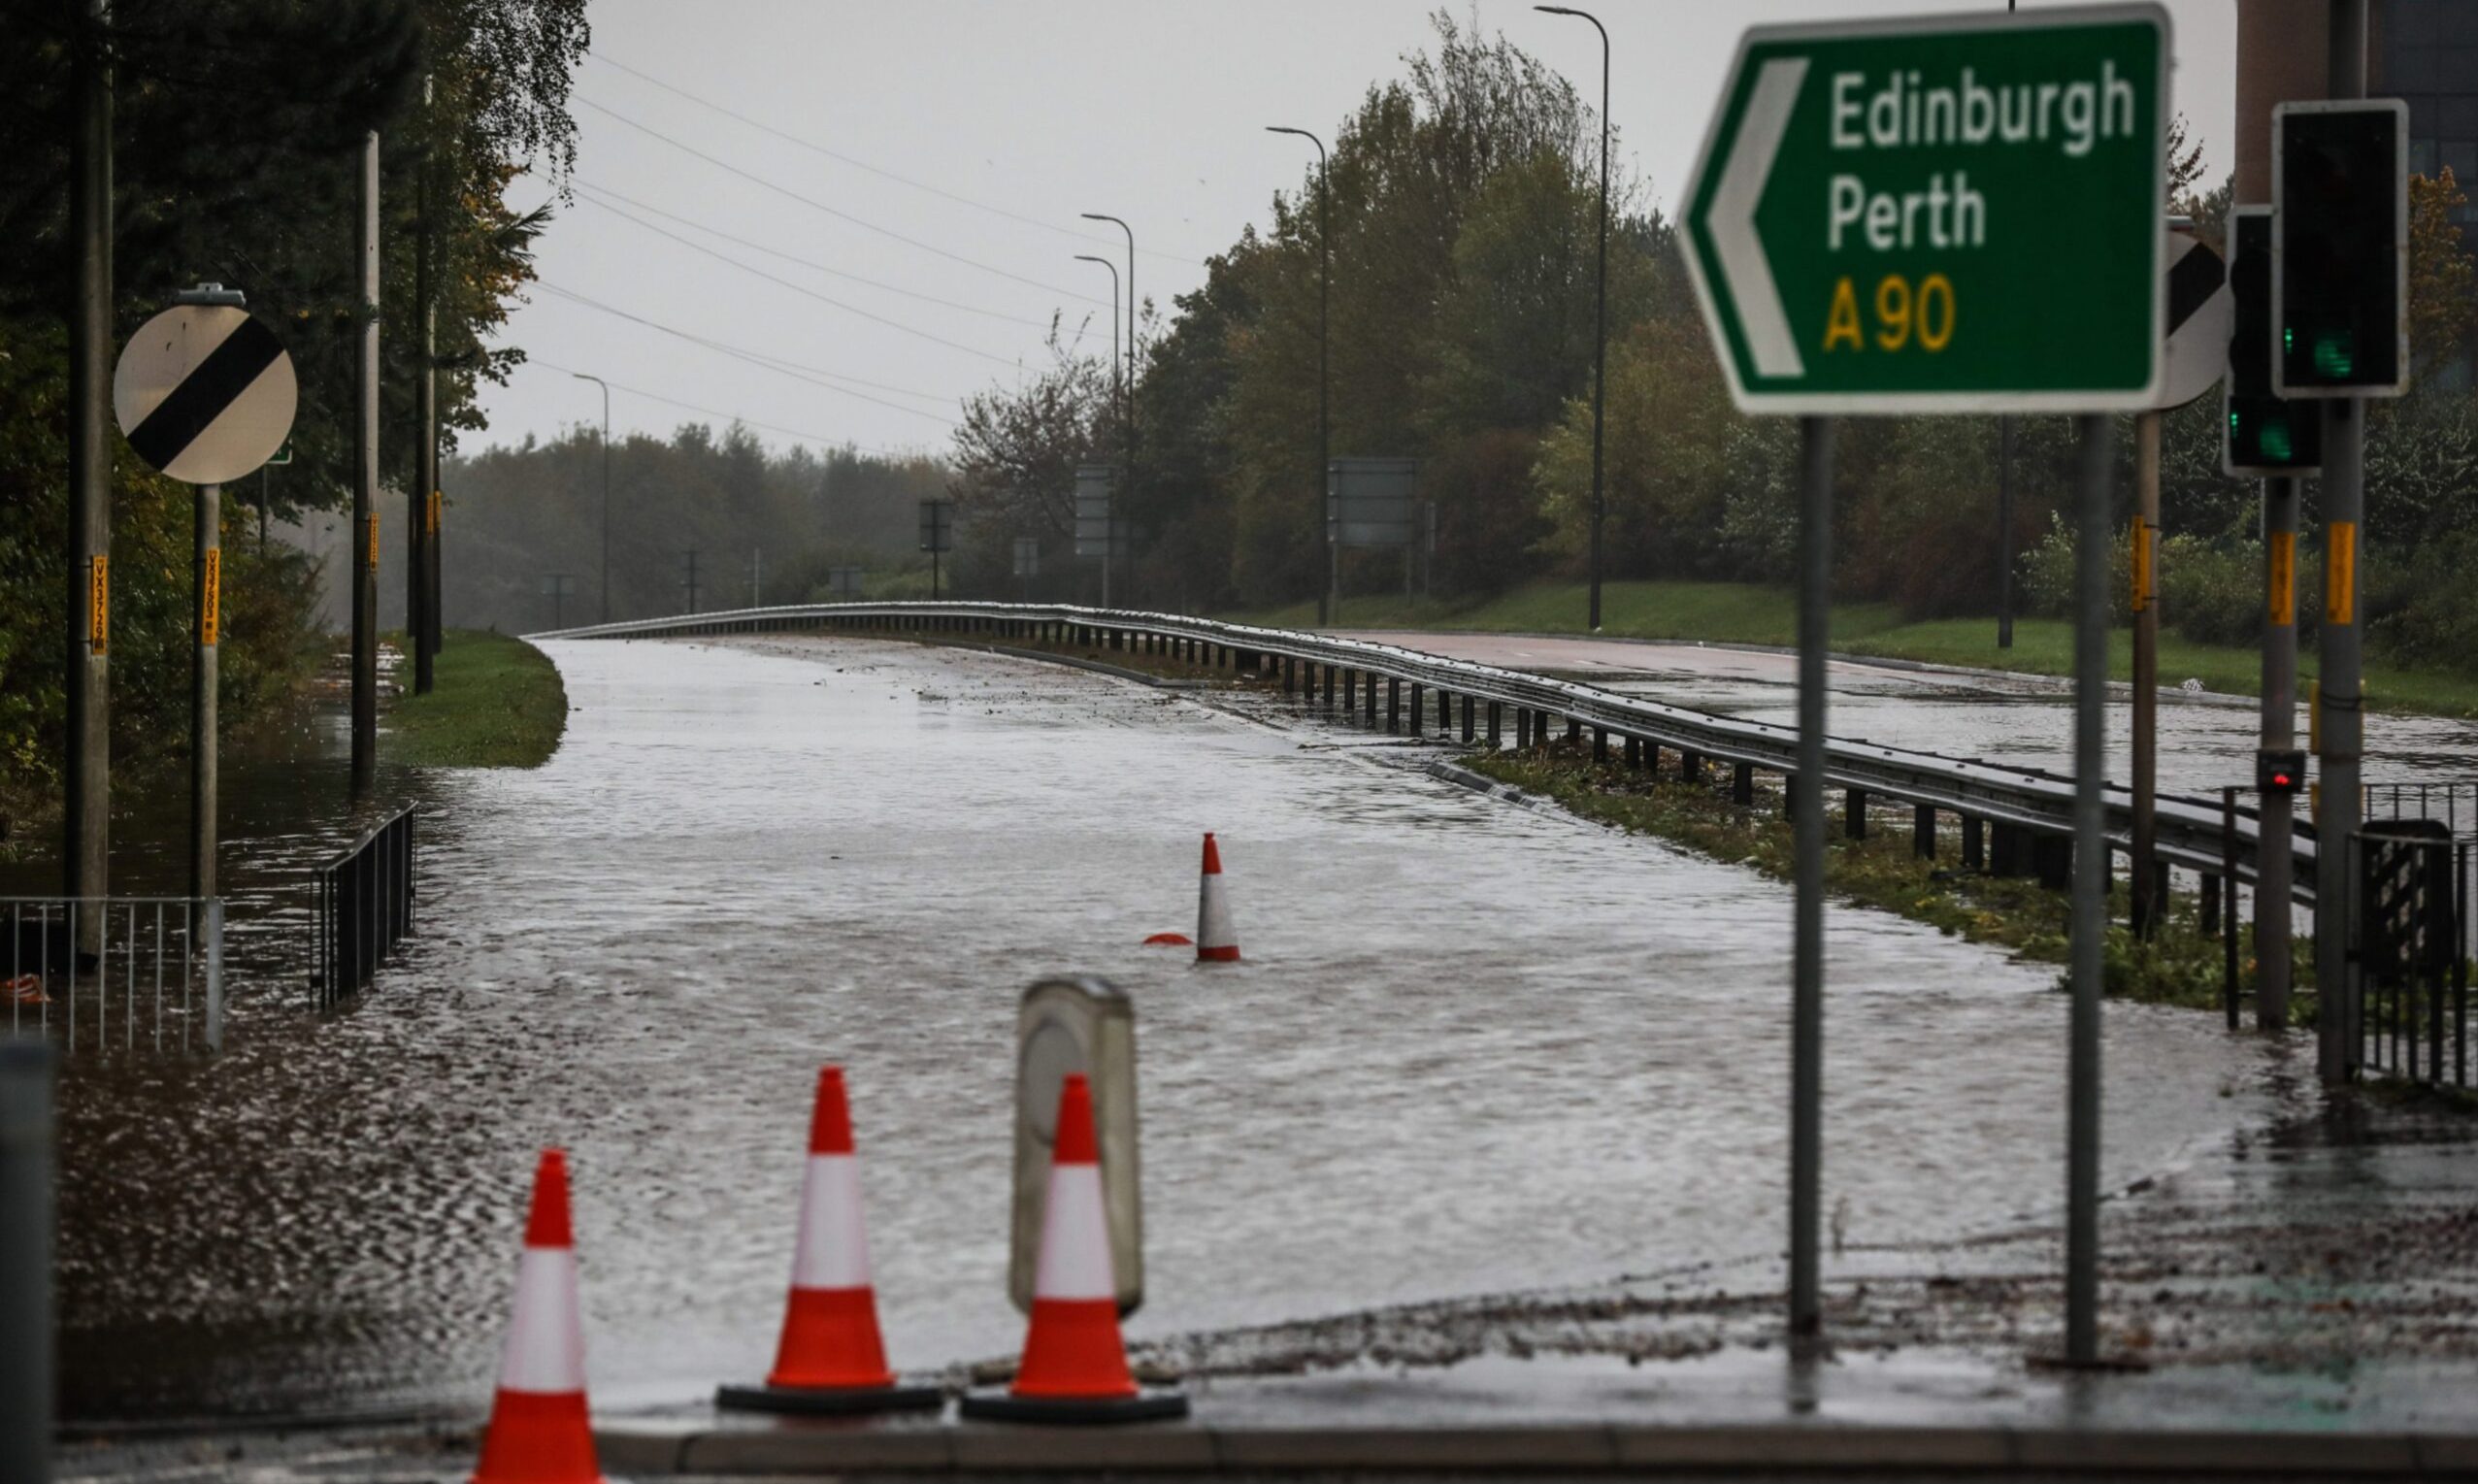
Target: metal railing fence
364,909
93,973
2456,803
2411,944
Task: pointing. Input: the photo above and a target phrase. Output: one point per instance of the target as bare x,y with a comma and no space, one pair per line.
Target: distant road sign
205,393
2200,311
1369,502
1941,215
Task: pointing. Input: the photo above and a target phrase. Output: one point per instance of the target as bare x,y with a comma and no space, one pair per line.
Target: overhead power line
839,214
593,191
820,438
878,170
808,292
814,376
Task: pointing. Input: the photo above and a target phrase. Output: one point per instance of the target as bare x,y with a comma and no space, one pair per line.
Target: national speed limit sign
205,392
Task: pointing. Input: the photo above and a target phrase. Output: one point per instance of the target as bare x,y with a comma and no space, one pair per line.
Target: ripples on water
1473,1048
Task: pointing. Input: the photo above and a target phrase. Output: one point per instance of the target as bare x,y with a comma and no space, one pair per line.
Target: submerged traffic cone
1075,1364
539,1434
831,1357
1217,940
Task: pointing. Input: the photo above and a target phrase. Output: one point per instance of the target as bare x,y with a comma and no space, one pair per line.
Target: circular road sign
2201,316
205,393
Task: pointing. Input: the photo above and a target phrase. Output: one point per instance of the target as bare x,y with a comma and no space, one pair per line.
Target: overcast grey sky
1004,119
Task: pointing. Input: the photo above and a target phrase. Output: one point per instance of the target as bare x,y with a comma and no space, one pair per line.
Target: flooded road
2206,740
1474,1047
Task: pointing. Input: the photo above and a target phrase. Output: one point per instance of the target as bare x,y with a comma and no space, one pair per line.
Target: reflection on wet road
2206,742
1474,1047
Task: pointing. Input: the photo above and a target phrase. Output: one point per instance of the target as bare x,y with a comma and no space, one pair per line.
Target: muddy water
1473,1048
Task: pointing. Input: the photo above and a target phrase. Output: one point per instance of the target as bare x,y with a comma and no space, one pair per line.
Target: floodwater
2207,741
1474,1047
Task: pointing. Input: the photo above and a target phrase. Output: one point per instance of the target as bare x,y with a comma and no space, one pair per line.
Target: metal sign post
205,393
938,535
1948,214
1096,528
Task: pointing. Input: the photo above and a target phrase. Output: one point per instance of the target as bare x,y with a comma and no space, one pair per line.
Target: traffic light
2265,435
2340,185
2280,772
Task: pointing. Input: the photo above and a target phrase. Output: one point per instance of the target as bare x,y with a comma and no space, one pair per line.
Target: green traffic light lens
2333,356
2275,442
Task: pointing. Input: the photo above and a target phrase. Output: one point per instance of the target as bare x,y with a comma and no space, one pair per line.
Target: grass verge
1742,613
496,703
2180,966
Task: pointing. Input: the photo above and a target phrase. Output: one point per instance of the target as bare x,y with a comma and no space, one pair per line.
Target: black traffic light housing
2280,771
2267,435
2339,264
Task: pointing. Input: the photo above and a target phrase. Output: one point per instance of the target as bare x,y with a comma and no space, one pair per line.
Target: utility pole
1118,379
87,778
1600,310
606,579
2340,724
690,582
421,492
2004,514
756,576
365,492
2144,895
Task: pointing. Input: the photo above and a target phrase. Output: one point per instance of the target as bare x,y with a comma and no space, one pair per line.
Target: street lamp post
1330,599
1600,305
1118,376
605,386
1127,393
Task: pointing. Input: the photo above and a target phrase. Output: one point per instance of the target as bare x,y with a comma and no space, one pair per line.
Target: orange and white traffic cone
1217,940
831,1359
1075,1364
539,1433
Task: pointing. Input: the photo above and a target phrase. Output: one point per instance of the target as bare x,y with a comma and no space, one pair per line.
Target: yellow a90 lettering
1903,315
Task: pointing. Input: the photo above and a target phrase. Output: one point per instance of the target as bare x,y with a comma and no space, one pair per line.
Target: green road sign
1939,214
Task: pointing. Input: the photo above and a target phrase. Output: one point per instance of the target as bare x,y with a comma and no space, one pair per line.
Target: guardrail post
1350,691
26,1260
1854,815
1975,842
1393,704
1445,713
1470,732
1689,765
1600,744
1418,727
1634,753
1523,729
1923,831
1575,730
1496,722
1742,784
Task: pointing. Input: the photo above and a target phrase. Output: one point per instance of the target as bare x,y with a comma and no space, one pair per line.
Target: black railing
365,908
2411,949
2456,803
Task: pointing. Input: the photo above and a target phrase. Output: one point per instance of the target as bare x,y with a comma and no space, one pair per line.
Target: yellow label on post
210,597
433,512
2340,573
98,603
2141,545
2281,601
370,553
